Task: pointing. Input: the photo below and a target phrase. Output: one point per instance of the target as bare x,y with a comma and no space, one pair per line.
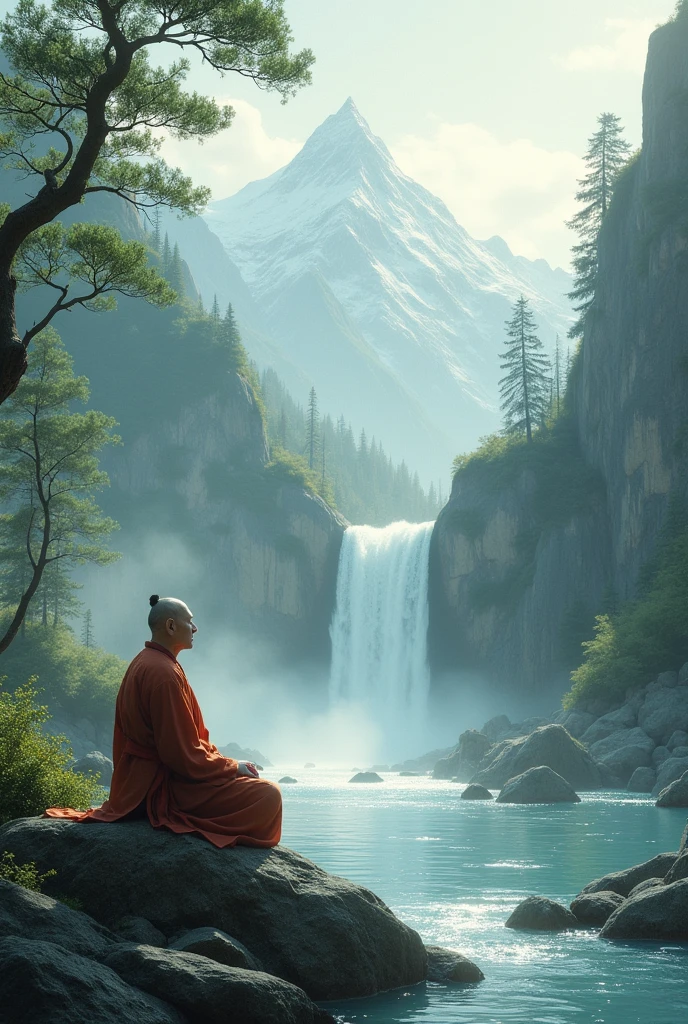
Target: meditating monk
165,766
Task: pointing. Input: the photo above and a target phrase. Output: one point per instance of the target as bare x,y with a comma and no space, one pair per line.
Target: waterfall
380,624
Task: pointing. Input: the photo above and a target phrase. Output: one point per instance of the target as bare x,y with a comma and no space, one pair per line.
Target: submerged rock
347,944
675,794
551,746
287,780
475,792
538,913
594,908
366,777
446,965
623,881
659,914
538,786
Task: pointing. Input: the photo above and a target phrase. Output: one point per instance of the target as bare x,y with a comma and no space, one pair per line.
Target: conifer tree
156,236
166,256
525,387
87,631
175,273
312,429
215,311
557,378
230,329
607,153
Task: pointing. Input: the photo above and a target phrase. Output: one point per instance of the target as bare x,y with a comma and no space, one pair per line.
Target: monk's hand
248,769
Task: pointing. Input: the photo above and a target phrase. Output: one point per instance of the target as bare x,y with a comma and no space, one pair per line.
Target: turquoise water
454,870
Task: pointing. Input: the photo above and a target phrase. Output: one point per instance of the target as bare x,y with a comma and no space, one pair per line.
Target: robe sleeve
178,741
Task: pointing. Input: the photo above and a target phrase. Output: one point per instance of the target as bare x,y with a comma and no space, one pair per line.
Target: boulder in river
446,965
537,913
475,792
463,761
366,777
93,762
347,944
675,794
287,780
642,780
594,908
623,881
551,746
538,786
660,914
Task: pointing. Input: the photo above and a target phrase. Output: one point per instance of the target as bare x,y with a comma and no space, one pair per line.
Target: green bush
34,772
26,875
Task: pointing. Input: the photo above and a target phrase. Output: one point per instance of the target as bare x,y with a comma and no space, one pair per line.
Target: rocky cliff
508,588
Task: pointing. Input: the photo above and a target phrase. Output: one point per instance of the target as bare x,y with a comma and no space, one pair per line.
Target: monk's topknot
153,599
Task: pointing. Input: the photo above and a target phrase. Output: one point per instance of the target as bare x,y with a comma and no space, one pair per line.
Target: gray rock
30,914
538,786
446,965
42,982
683,845
660,755
649,883
683,674
592,909
642,780
675,794
663,711
138,929
537,913
680,752
476,793
550,746
287,780
624,751
207,992
366,777
496,728
464,760
217,946
670,770
667,679
659,914
576,722
331,937
678,870
623,881
678,738
93,762
624,718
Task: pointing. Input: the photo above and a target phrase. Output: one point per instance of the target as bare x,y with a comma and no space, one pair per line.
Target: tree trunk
12,352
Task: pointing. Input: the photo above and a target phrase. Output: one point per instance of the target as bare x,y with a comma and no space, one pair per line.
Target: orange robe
163,755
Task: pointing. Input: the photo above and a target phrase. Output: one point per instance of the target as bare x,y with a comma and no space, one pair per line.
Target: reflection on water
455,870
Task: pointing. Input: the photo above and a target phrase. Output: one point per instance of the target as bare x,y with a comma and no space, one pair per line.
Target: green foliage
80,681
525,390
34,771
645,636
27,875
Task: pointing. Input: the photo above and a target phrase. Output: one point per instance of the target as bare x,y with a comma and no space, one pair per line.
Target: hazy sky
488,103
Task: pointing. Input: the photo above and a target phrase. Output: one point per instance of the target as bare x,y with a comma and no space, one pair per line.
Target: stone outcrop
624,751
217,946
332,938
538,786
446,966
462,762
669,771
476,792
624,881
366,777
537,913
595,908
659,914
642,780
675,794
548,745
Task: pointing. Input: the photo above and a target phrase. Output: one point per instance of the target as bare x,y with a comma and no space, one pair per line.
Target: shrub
26,875
34,771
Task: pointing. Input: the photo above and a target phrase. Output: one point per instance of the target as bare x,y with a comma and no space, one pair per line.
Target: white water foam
379,629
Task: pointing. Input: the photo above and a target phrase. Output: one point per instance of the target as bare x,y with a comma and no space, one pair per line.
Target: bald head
171,623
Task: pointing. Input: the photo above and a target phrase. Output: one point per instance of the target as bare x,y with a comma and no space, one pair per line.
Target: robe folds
163,756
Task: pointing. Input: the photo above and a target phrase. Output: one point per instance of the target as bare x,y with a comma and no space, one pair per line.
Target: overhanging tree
606,155
83,84
525,389
48,476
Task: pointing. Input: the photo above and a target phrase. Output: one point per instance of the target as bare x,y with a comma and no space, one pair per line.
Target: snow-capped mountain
378,296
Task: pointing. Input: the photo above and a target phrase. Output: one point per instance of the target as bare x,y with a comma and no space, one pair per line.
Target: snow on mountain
378,296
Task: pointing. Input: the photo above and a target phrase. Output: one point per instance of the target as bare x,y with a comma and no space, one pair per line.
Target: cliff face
268,547
507,611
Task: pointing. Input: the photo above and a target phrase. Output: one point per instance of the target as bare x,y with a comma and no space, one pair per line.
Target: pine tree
156,237
175,273
87,630
607,153
312,430
557,379
524,389
166,256
215,311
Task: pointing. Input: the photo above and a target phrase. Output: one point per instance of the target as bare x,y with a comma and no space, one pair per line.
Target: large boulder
464,760
660,755
659,914
663,712
675,794
678,870
551,746
642,780
623,718
537,913
43,982
667,772
678,738
446,965
623,881
207,992
593,909
218,946
29,915
575,722
331,937
538,786
93,762
624,751
497,728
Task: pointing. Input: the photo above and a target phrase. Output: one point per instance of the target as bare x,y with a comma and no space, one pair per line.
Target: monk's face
182,629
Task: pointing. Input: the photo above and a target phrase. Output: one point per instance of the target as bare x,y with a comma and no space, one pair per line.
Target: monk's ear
170,628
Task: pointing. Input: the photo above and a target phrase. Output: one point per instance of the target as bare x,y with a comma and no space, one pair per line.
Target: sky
487,103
